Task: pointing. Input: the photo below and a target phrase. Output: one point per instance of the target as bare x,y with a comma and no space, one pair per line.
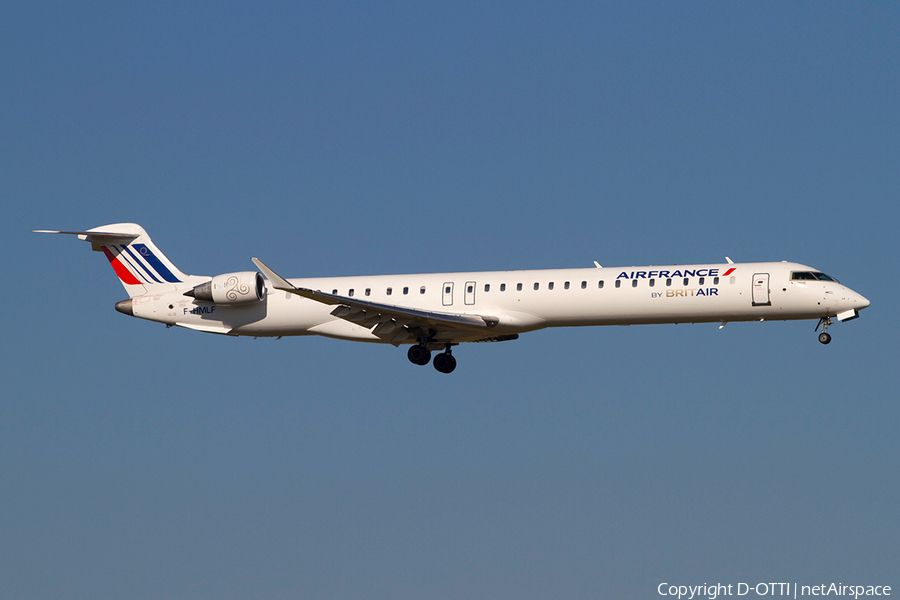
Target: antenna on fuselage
730,262
596,264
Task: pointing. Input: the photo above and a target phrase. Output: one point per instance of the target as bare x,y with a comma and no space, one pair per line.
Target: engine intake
231,288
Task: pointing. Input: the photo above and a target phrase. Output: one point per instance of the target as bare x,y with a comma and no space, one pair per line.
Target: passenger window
470,289
368,291
550,286
487,287
502,287
668,282
618,283
652,282
702,279
405,291
715,281
584,285
536,286
422,290
351,291
334,292
566,285
600,284
447,289
634,283
518,287
686,281
389,290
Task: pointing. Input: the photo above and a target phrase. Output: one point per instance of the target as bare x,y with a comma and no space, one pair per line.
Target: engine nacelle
231,288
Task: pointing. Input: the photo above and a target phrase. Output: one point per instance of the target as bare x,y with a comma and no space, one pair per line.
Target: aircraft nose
860,302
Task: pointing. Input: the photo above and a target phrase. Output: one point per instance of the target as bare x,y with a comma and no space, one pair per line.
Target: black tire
825,338
419,355
444,363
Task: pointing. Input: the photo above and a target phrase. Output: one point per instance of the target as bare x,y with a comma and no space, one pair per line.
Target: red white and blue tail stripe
138,263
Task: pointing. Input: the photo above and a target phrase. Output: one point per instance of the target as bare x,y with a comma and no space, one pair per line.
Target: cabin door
761,290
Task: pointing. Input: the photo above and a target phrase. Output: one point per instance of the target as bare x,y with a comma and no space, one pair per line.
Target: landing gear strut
444,362
824,322
420,354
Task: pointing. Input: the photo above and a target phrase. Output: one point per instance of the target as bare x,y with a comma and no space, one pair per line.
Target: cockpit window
803,276
811,276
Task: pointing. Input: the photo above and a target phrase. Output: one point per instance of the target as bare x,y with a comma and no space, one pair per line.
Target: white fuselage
522,301
437,311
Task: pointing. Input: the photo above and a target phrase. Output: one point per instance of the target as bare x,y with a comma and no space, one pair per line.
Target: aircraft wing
389,322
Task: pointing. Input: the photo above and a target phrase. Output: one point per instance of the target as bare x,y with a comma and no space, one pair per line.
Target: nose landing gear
824,337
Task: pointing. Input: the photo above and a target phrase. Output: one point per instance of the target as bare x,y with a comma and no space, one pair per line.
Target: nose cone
860,302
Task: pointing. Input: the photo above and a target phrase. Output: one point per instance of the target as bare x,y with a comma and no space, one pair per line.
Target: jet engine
231,288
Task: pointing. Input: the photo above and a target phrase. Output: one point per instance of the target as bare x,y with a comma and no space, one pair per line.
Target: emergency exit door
470,292
761,290
448,294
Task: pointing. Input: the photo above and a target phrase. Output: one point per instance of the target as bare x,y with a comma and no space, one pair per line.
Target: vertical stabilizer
138,263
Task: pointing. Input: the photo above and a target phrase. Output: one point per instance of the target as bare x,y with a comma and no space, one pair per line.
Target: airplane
435,312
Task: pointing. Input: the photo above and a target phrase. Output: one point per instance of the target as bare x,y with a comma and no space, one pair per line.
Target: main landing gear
824,337
444,362
419,355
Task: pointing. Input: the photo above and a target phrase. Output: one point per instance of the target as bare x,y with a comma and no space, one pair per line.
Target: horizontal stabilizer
96,236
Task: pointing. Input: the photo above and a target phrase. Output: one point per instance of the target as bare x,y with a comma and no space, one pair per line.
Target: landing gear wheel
419,355
444,362
824,322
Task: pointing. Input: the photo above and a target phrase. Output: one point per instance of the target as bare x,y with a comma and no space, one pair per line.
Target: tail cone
125,307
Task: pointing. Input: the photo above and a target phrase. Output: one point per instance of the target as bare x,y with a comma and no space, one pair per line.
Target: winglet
278,282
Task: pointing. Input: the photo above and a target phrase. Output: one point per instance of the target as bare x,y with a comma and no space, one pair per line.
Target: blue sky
334,139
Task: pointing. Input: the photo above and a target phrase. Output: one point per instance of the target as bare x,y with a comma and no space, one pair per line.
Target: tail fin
138,263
